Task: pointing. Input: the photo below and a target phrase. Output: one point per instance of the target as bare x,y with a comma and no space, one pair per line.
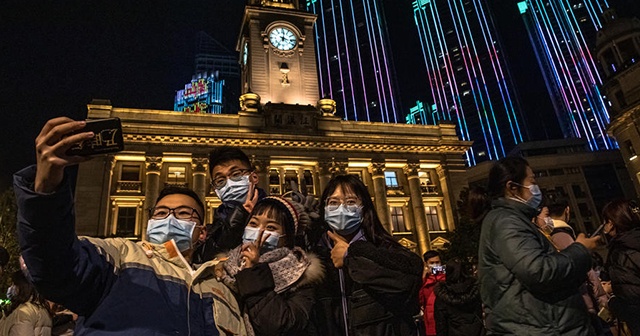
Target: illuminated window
397,220
432,218
274,182
391,179
126,223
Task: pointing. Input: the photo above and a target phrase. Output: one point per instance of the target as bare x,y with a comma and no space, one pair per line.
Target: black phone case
108,138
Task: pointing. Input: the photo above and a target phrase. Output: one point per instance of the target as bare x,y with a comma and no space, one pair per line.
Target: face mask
251,235
160,231
234,190
548,225
342,220
12,292
536,196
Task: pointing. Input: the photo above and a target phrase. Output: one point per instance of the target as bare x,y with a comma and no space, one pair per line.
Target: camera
107,138
438,270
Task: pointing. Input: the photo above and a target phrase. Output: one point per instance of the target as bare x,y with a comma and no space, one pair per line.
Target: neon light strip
355,33
382,33
346,47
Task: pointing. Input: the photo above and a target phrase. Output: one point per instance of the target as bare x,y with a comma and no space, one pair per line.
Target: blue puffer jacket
118,287
526,285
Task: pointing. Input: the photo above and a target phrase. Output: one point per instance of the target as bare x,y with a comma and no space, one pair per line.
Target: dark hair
430,254
507,169
4,257
276,210
224,154
623,214
183,191
556,206
371,225
26,292
457,272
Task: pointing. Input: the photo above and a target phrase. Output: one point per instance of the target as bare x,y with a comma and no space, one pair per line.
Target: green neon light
522,6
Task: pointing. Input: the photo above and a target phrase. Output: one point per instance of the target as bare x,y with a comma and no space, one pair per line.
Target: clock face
245,52
282,38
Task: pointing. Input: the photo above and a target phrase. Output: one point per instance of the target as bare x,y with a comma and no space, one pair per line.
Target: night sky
55,57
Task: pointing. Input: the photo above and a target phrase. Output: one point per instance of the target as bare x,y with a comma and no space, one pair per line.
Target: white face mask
160,231
343,220
234,190
251,235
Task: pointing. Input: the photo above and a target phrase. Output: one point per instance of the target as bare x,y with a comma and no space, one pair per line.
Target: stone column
324,172
380,193
281,176
199,172
448,198
302,185
420,219
261,166
152,186
317,191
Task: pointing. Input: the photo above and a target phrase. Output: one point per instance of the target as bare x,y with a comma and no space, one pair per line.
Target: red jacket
427,301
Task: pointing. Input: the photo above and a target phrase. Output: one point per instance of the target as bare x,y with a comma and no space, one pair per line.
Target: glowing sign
202,95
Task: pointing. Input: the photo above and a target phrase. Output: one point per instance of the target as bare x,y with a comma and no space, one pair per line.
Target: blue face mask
160,231
251,234
536,196
344,220
234,190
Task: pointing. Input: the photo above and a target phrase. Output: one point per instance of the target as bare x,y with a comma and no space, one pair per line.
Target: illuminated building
211,56
467,75
414,172
203,95
354,60
618,53
563,34
418,115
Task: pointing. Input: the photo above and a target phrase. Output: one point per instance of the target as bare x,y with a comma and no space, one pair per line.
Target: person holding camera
433,274
115,285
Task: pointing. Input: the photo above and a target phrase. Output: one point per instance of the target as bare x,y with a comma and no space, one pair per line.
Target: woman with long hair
622,231
528,287
371,284
29,313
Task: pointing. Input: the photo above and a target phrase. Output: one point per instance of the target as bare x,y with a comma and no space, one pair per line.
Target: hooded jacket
528,287
458,309
623,264
115,285
277,294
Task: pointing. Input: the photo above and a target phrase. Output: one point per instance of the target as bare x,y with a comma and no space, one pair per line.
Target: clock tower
277,53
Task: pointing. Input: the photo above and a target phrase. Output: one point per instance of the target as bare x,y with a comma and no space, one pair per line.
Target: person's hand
606,285
51,145
589,243
250,252
252,198
340,246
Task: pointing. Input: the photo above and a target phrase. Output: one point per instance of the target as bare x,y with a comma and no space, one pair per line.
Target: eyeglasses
351,204
235,175
181,212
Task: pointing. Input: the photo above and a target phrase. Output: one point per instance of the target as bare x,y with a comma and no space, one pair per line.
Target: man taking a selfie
433,273
115,285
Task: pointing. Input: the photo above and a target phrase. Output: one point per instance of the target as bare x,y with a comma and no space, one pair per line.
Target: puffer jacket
527,287
27,319
623,264
381,292
278,293
117,286
428,300
458,309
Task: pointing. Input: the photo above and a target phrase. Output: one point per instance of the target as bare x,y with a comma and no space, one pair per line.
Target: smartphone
438,270
107,138
597,231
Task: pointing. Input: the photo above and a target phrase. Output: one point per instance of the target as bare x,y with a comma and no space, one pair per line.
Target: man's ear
253,178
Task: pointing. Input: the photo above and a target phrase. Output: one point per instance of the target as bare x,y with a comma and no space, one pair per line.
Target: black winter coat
623,264
527,287
382,284
458,309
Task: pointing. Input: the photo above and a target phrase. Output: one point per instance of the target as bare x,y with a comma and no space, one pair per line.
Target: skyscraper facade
354,61
563,35
467,74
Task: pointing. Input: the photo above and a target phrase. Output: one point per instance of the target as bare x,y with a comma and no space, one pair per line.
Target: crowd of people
296,265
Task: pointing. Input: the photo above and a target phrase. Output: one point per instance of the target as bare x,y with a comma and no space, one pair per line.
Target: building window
126,224
290,179
578,192
391,179
432,218
397,220
176,176
130,173
274,182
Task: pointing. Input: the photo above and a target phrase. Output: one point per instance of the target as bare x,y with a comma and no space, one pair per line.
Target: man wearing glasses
235,184
117,286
